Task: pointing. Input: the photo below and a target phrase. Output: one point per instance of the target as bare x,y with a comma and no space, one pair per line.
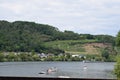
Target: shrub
117,67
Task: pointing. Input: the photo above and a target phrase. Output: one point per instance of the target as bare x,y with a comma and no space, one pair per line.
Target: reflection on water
71,69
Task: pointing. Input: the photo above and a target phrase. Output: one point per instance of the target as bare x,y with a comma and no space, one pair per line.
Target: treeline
32,56
23,36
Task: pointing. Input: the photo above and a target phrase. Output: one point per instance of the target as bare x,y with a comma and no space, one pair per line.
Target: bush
1,57
117,67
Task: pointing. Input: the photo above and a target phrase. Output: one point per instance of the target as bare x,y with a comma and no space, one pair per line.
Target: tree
23,36
118,39
105,54
105,38
117,67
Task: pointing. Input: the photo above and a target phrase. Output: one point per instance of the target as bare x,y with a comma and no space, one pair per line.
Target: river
101,70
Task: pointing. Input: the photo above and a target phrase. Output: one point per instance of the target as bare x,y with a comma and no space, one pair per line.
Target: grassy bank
78,46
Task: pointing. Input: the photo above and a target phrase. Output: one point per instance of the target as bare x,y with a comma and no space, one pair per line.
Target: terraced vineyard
79,46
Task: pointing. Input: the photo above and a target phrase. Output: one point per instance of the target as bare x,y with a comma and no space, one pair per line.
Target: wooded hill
23,36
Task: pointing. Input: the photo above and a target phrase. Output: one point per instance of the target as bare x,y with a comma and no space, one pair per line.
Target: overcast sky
80,16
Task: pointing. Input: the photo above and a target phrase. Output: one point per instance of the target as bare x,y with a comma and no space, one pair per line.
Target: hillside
23,36
81,46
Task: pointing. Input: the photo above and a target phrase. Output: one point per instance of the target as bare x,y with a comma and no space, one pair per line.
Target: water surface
101,70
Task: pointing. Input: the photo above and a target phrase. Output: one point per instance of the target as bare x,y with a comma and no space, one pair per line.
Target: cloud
81,16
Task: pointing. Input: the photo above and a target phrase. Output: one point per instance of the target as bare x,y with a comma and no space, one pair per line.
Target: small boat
49,70
42,72
85,67
63,77
53,69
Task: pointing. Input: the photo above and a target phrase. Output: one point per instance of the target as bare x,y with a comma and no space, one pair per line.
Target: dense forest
23,36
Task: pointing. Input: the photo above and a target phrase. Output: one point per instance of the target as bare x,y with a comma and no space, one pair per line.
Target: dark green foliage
1,57
24,36
105,38
105,54
66,35
118,39
87,36
117,67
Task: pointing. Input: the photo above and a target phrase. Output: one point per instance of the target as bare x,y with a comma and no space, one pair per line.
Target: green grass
71,46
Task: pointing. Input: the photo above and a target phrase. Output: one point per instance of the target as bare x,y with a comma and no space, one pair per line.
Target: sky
80,16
